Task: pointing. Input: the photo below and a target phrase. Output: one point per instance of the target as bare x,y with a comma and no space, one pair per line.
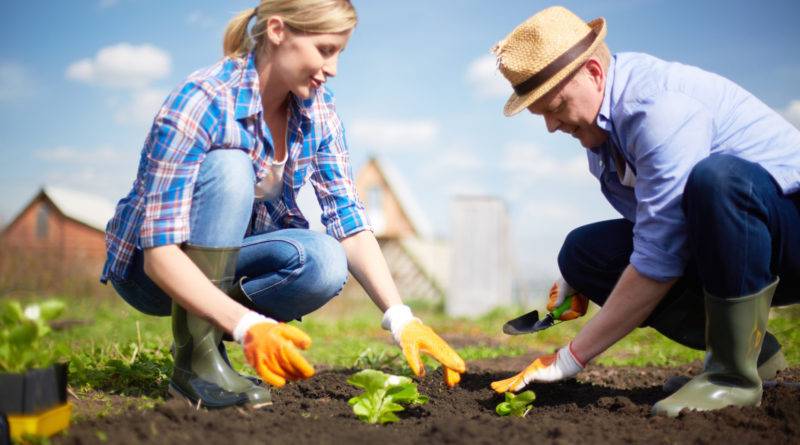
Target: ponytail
313,16
237,42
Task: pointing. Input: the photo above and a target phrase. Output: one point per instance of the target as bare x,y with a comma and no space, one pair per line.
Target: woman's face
304,61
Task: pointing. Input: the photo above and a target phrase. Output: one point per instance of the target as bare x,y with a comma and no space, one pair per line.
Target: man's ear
596,72
276,30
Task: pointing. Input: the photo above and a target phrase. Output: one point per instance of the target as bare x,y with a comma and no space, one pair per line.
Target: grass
116,350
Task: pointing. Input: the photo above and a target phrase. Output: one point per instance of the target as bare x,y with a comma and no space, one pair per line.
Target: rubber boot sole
767,371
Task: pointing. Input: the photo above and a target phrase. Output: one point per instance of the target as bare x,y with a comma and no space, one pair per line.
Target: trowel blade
528,324
521,325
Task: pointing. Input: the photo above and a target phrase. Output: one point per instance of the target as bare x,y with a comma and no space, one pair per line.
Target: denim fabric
594,256
288,273
742,233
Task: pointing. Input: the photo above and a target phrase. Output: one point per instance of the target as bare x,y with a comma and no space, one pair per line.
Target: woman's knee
327,265
222,200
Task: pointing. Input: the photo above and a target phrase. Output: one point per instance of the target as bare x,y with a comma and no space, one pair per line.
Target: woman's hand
414,337
271,348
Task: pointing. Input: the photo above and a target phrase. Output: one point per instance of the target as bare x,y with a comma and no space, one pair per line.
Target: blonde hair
314,16
603,54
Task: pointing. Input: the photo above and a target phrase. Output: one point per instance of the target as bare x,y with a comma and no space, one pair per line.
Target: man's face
572,107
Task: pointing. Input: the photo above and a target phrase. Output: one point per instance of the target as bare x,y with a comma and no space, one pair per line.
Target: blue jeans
742,233
289,273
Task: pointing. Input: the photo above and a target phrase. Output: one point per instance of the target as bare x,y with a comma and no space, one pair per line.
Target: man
707,179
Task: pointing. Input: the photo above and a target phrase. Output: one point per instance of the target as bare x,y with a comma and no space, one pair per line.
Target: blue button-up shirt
664,118
220,108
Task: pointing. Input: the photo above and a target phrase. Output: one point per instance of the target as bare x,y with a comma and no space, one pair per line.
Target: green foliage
371,358
516,405
136,369
383,396
21,334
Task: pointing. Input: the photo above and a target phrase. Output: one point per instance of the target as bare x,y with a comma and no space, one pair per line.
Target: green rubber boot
680,323
201,374
735,329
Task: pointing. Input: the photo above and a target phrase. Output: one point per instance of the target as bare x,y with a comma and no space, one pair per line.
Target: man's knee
714,179
593,256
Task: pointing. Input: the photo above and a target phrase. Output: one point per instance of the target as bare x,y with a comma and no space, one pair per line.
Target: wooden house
59,235
418,263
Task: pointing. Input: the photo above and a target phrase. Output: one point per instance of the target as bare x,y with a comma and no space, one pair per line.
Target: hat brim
516,103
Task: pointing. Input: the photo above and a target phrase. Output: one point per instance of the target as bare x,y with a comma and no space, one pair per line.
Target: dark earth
605,405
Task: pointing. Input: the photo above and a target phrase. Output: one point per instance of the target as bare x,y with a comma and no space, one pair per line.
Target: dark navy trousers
743,232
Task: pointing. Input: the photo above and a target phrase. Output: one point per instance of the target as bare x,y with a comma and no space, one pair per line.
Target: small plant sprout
383,396
516,405
21,331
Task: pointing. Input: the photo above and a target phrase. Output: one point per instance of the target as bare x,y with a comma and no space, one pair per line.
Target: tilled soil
606,405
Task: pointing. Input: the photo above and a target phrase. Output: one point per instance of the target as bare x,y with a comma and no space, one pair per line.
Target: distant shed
58,233
417,261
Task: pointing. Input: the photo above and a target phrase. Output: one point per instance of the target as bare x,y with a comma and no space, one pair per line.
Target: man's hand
414,337
560,291
559,365
271,349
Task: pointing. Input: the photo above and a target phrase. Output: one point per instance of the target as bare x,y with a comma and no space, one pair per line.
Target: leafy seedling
516,405
21,331
384,394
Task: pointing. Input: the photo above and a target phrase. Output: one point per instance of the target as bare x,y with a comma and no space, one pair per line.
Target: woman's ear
276,30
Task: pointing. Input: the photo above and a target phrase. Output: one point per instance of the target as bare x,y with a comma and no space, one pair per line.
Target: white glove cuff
396,318
568,362
246,322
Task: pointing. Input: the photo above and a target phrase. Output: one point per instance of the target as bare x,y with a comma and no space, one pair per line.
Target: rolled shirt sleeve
667,136
343,213
178,143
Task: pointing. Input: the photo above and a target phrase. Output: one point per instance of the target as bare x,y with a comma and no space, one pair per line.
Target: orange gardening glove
560,292
414,337
271,349
559,365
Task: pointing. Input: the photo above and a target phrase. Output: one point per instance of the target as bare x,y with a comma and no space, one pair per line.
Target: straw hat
543,51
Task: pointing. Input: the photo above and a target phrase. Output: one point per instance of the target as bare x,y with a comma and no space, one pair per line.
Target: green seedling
516,405
21,331
384,394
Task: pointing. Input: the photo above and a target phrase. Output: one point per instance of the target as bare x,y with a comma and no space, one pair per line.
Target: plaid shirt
220,108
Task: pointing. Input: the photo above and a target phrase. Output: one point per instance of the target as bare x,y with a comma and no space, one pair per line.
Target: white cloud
122,66
15,82
104,170
201,19
387,134
527,160
108,3
486,80
64,154
792,113
141,108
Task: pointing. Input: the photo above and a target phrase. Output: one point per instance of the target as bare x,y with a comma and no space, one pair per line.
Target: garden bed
606,405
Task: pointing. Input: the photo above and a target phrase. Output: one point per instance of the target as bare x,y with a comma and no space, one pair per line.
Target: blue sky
81,80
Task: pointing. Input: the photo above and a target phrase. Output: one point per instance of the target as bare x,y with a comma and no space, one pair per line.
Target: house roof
92,210
408,203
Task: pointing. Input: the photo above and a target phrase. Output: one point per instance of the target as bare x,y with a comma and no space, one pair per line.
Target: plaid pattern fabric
220,108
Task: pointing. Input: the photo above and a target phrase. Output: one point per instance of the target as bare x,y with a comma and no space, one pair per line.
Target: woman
211,233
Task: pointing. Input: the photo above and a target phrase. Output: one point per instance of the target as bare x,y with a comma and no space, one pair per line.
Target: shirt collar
604,115
248,99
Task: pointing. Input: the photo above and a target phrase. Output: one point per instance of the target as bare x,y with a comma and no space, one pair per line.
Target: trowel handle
567,304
